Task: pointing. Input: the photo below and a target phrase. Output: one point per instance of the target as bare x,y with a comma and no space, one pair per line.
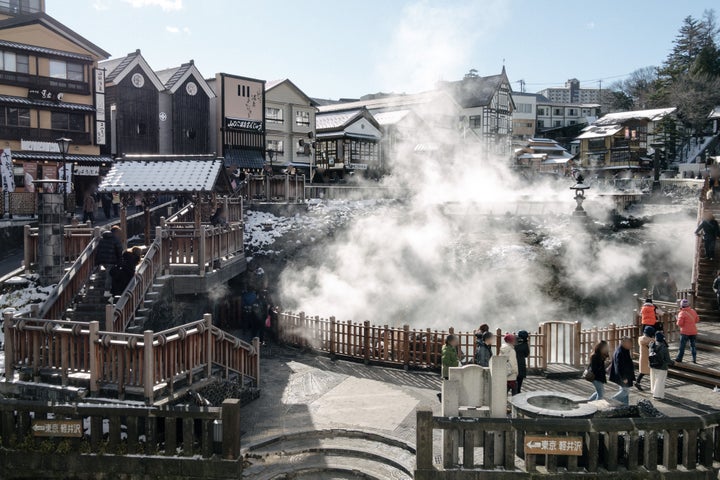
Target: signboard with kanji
539,445
57,428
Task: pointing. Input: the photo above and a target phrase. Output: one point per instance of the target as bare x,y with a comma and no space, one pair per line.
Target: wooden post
201,251
64,359
93,341
208,344
9,344
148,366
231,429
498,340
256,360
123,224
158,240
27,249
146,217
333,328
227,209
287,188
576,338
197,211
424,439
109,317
366,342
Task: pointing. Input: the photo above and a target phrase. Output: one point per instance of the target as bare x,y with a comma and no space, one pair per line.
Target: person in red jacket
687,320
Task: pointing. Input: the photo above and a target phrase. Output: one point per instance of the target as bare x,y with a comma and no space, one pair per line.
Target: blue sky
338,48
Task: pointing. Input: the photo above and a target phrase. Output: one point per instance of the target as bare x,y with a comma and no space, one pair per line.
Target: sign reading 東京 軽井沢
57,428
243,124
540,445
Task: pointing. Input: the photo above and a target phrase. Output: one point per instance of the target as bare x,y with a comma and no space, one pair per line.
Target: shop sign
86,171
34,146
243,124
357,166
100,133
44,94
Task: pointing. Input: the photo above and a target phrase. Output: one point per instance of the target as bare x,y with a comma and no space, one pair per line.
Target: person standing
710,231
484,350
508,350
650,315
598,359
109,254
89,207
106,202
622,370
522,352
116,203
687,321
449,355
660,361
644,342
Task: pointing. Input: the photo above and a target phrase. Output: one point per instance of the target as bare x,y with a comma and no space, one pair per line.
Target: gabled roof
391,117
175,77
274,83
649,115
118,68
165,174
597,131
42,18
340,120
473,92
387,103
44,51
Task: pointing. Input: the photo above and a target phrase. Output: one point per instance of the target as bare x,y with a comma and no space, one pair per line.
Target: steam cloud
437,260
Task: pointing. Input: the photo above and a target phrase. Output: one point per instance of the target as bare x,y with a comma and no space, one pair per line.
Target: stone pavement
302,392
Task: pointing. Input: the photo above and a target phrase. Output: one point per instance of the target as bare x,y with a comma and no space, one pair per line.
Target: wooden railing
352,192
274,188
205,248
555,342
637,446
74,243
71,283
181,431
141,365
119,316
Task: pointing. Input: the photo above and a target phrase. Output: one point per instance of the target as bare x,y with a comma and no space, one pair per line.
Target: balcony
16,7
44,135
34,81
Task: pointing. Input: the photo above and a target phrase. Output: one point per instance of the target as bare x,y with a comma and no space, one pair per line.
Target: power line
581,81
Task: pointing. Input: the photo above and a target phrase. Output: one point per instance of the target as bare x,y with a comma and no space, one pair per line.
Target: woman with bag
644,342
596,372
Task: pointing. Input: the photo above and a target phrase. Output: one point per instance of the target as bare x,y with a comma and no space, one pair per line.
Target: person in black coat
109,254
710,231
599,357
522,352
125,270
622,370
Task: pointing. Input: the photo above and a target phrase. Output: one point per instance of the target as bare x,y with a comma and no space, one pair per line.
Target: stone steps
340,454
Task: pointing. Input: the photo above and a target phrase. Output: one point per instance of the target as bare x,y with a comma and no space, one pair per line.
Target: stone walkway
302,392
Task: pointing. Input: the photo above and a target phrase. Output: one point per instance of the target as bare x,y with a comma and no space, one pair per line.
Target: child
449,354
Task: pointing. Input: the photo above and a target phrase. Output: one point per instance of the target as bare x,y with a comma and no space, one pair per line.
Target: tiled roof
163,174
391,117
649,115
44,51
273,83
56,157
114,67
79,107
475,91
170,76
327,121
244,158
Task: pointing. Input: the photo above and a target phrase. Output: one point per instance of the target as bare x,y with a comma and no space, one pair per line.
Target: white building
571,93
524,116
552,115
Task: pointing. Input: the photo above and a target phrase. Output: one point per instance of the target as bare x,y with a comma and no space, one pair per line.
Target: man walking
89,207
109,254
622,370
687,321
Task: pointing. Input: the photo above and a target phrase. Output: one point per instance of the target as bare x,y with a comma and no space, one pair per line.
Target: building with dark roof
49,84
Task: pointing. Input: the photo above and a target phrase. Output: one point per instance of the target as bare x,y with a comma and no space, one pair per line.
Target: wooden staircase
706,270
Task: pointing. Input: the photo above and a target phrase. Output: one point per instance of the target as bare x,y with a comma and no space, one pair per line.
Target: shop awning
78,107
56,157
244,158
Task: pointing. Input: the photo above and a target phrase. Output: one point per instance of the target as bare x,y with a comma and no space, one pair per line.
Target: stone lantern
579,188
51,231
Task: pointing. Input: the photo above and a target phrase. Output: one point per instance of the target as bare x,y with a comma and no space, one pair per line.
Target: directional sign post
57,428
539,445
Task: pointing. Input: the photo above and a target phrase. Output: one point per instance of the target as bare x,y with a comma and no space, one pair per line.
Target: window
243,91
14,117
541,123
273,115
572,112
475,121
524,107
302,118
541,111
12,62
573,122
19,174
303,147
558,111
71,122
557,123
67,71
363,152
275,146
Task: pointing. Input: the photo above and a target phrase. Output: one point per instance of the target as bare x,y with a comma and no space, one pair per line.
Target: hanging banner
8,178
65,173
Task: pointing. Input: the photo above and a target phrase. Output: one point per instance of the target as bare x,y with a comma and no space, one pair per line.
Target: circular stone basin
546,404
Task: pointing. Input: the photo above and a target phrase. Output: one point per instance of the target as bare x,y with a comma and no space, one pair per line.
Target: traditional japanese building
49,85
132,96
185,111
347,140
237,127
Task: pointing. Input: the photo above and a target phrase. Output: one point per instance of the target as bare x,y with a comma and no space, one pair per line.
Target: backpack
654,359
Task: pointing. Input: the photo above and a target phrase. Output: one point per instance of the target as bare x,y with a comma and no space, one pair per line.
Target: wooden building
132,96
49,83
185,111
238,120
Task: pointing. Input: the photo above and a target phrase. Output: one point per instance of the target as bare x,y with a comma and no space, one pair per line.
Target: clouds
177,30
101,5
165,5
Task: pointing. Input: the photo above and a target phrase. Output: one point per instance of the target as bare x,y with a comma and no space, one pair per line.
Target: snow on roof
390,118
715,113
392,101
596,131
326,121
163,174
530,156
649,115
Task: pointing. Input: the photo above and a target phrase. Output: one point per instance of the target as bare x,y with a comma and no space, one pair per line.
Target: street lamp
64,146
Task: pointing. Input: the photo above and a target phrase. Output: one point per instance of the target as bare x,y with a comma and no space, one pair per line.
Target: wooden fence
141,365
557,342
274,188
25,204
636,446
352,192
204,248
182,431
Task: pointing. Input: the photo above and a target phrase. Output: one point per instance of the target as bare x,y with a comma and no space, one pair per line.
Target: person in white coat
508,350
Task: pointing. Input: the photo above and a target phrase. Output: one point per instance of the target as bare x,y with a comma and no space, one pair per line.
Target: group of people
109,202
654,351
515,347
118,263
